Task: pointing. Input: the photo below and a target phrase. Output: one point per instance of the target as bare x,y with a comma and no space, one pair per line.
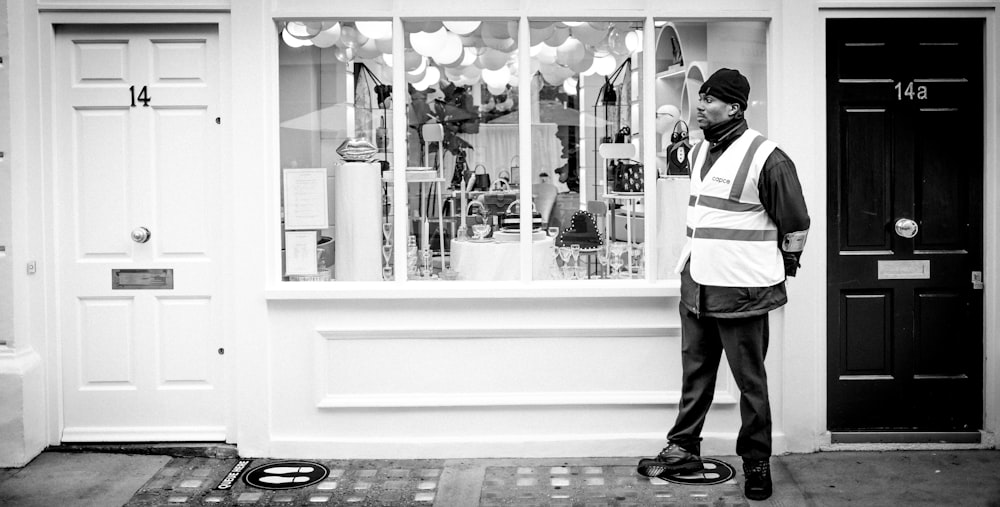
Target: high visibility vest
731,240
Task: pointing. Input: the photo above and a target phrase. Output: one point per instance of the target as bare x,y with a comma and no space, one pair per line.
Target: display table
499,261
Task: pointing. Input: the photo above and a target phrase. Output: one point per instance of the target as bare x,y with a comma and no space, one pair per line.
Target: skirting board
145,434
491,446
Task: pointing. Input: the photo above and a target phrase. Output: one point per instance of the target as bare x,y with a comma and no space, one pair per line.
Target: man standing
746,227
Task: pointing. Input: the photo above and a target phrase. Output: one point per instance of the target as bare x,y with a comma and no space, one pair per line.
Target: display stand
629,201
357,232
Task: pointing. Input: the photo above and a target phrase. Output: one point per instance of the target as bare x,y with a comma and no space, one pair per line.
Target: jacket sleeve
781,195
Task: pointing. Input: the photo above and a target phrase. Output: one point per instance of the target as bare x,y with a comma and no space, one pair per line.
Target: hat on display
728,85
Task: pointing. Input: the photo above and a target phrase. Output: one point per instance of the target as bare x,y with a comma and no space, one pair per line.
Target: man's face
712,111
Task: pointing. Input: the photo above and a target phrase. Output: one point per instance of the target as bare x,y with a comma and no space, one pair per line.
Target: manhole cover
286,475
713,472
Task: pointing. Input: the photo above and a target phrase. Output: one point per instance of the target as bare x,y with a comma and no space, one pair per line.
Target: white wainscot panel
180,60
448,367
105,343
183,343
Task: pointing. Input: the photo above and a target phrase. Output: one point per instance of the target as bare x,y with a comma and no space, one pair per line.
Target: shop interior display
462,107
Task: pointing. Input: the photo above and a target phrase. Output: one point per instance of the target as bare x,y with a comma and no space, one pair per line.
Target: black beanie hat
728,85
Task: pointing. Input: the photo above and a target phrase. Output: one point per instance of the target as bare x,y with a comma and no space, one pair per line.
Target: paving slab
77,479
911,478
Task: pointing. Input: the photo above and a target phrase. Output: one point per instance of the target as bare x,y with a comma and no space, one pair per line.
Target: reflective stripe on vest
732,241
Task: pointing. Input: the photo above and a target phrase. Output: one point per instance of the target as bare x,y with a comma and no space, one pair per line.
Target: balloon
420,68
293,41
570,52
462,27
298,30
351,37
498,77
416,77
375,29
584,63
384,45
344,55
545,54
539,31
588,34
428,44
493,59
559,35
451,51
633,41
327,37
411,60
368,50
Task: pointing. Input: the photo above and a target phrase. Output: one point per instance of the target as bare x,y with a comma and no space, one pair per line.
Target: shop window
462,148
462,171
687,53
336,116
590,188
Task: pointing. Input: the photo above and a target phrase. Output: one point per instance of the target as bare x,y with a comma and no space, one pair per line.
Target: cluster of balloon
473,52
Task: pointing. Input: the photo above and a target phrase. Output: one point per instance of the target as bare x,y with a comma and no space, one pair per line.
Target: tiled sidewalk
487,483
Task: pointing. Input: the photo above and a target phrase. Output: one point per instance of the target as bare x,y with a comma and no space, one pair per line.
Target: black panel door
905,172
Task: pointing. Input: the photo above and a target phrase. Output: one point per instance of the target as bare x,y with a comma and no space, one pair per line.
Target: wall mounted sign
714,472
286,475
128,279
904,270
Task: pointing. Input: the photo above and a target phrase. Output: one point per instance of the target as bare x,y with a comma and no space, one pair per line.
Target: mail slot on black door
142,279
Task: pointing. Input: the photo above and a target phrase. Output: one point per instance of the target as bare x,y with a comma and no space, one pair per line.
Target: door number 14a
910,92
142,97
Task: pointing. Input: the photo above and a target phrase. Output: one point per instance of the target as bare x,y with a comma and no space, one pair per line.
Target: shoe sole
652,468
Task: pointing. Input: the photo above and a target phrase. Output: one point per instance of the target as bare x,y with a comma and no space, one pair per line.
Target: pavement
145,477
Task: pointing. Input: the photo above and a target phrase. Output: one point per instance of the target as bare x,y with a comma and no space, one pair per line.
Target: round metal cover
714,472
286,475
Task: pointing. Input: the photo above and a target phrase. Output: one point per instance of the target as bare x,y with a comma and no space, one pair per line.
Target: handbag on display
503,175
510,219
626,176
678,162
480,180
499,197
624,135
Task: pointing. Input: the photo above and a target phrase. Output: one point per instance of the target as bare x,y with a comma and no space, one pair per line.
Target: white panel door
139,364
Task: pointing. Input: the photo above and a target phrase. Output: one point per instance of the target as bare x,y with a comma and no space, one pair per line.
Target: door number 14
911,92
143,96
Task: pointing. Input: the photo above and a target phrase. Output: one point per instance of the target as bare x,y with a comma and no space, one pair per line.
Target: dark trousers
745,342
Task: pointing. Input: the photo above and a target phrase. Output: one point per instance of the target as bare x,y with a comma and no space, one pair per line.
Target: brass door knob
906,228
140,234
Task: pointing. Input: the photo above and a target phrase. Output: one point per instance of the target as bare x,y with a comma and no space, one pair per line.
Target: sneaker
672,460
757,475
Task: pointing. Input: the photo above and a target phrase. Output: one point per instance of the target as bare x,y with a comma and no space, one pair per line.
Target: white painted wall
464,369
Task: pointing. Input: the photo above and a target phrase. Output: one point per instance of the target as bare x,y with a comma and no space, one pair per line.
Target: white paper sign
300,253
305,199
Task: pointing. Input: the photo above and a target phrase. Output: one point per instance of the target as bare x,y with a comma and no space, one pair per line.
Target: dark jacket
781,195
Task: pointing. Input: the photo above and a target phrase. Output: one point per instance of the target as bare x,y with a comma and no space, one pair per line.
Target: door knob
140,234
906,228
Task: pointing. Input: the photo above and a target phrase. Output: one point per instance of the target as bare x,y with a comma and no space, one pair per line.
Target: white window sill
472,289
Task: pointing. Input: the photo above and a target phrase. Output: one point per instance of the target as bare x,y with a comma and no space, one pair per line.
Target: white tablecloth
499,261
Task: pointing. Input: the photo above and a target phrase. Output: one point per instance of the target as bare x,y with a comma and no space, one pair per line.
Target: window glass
687,53
462,145
336,117
586,147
